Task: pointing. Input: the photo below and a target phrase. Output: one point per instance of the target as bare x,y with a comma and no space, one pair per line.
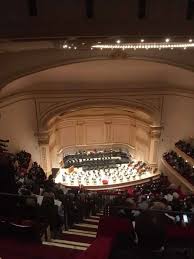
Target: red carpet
11,249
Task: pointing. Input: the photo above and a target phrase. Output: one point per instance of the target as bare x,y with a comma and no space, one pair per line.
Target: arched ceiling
132,74
101,111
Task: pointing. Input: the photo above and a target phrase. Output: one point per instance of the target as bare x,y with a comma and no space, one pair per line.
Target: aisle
78,238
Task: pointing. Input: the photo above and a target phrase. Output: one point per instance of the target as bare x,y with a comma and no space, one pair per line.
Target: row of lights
141,45
145,46
142,40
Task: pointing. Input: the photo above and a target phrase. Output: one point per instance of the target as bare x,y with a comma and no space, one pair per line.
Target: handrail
153,210
184,155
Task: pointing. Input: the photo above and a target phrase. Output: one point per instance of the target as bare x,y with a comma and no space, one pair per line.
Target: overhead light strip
144,46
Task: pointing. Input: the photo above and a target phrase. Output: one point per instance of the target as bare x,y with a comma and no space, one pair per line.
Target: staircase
78,238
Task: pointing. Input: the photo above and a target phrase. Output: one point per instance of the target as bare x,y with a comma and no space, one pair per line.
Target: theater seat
100,249
110,226
179,236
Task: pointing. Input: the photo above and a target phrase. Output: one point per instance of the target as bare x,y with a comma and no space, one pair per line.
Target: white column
108,135
154,145
45,161
80,133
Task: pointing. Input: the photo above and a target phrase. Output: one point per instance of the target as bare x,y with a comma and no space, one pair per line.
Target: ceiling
104,74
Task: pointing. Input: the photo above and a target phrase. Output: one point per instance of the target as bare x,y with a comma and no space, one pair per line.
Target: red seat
100,249
180,232
110,226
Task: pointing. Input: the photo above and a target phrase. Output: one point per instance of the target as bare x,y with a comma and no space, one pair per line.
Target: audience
157,194
55,203
180,165
185,147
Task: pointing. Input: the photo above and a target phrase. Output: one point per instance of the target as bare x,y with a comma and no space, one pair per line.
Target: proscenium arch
61,108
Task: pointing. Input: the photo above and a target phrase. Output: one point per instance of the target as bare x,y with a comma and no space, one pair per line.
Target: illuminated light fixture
145,46
83,43
65,46
75,47
91,48
118,41
99,42
69,47
190,40
142,40
167,39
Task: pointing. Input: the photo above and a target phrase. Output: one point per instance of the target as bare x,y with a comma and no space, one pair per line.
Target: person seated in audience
7,177
49,211
150,230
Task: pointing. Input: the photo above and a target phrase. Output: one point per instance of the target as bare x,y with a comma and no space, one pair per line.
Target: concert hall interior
97,129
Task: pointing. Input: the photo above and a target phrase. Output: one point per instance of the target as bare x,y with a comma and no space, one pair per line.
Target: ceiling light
83,43
99,42
142,40
190,40
167,39
118,41
145,45
75,47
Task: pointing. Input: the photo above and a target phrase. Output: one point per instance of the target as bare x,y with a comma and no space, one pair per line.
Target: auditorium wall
18,124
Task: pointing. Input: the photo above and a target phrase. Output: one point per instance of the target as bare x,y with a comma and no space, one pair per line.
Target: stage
104,179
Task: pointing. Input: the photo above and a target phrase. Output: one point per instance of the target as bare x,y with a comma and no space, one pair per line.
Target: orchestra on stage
98,168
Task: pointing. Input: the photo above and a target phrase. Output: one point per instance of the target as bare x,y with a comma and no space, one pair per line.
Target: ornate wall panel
102,131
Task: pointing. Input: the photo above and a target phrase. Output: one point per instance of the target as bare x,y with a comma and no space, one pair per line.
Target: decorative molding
155,103
43,137
59,105
155,132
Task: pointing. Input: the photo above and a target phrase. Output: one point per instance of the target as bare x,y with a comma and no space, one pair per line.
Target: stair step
92,220
79,234
95,217
87,225
61,241
82,231
64,245
99,214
